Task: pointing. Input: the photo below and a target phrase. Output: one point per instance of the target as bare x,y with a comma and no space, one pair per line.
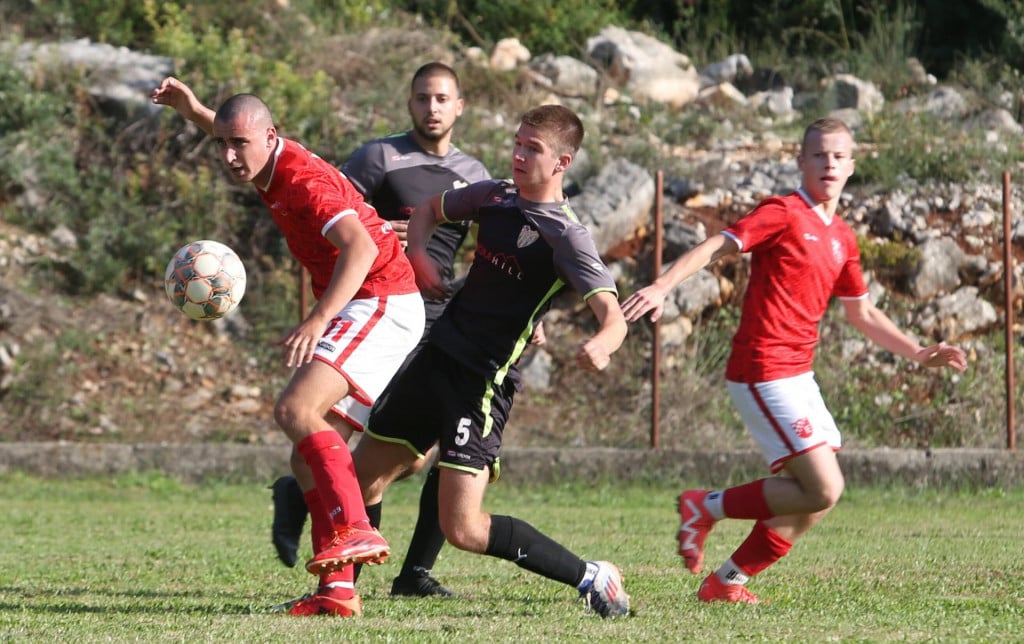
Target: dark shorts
435,399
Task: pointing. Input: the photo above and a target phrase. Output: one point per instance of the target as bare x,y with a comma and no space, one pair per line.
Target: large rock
615,203
565,75
938,271
119,80
648,68
848,91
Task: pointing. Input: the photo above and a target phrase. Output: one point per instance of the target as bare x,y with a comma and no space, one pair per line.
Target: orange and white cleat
329,606
713,590
350,546
694,525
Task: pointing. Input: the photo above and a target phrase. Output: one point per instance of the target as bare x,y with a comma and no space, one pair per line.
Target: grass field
145,558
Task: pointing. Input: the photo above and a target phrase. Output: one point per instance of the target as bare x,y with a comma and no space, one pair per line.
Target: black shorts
435,399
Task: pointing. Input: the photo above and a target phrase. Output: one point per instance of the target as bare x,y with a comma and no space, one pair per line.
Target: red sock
338,584
321,531
762,547
335,477
746,502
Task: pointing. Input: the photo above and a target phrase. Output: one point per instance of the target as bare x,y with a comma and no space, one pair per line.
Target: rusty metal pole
1011,439
656,355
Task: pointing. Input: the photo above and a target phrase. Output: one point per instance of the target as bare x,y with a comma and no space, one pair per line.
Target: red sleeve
762,225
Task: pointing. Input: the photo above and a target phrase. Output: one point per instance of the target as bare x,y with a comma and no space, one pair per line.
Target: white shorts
367,343
786,417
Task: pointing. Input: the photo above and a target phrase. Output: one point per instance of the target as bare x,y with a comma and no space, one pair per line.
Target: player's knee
464,535
827,496
291,417
284,414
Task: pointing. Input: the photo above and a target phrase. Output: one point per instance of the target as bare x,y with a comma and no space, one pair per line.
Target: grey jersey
526,252
395,174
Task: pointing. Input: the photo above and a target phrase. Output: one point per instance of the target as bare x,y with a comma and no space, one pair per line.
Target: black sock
373,512
427,538
526,547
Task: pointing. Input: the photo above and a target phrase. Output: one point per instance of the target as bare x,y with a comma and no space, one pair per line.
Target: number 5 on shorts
462,432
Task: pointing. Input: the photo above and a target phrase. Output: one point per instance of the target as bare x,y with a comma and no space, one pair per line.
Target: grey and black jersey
526,252
395,174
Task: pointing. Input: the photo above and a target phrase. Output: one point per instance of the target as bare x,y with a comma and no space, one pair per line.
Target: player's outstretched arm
877,327
595,353
652,298
422,222
174,93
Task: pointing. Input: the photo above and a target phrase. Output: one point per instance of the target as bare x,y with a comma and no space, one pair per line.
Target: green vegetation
149,559
132,194
335,74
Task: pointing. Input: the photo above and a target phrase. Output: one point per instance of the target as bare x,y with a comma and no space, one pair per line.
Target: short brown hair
560,126
827,125
435,68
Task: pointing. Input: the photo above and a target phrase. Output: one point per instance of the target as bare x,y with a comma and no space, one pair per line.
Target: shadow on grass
52,601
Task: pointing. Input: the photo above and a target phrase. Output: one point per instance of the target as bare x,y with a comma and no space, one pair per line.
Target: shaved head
248,107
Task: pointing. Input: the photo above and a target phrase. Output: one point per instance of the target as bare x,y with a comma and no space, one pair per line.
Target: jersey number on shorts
462,432
337,328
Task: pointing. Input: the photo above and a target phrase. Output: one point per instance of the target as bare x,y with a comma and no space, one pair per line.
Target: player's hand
592,356
650,298
300,343
538,338
174,93
401,229
428,277
943,355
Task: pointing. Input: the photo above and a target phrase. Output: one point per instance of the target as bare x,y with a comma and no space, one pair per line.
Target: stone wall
241,463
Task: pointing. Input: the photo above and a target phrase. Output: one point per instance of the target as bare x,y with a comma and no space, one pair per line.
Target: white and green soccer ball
205,280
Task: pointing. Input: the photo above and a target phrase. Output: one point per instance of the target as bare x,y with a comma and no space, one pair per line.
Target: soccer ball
205,280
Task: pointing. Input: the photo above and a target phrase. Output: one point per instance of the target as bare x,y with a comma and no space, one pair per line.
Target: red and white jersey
798,262
306,197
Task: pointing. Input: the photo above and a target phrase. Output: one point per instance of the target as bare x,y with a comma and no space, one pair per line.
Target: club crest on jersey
526,237
837,251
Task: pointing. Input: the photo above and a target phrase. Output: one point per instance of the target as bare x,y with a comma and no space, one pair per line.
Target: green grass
145,558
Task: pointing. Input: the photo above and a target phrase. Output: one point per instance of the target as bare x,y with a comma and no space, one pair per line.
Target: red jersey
798,262
306,197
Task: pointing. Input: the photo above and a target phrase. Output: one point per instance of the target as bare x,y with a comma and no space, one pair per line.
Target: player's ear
271,137
564,161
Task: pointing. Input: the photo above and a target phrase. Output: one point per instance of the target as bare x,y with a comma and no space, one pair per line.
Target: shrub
542,27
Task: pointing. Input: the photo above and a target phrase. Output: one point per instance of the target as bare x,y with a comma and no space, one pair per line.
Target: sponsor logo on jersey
507,264
810,237
526,237
802,428
459,183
